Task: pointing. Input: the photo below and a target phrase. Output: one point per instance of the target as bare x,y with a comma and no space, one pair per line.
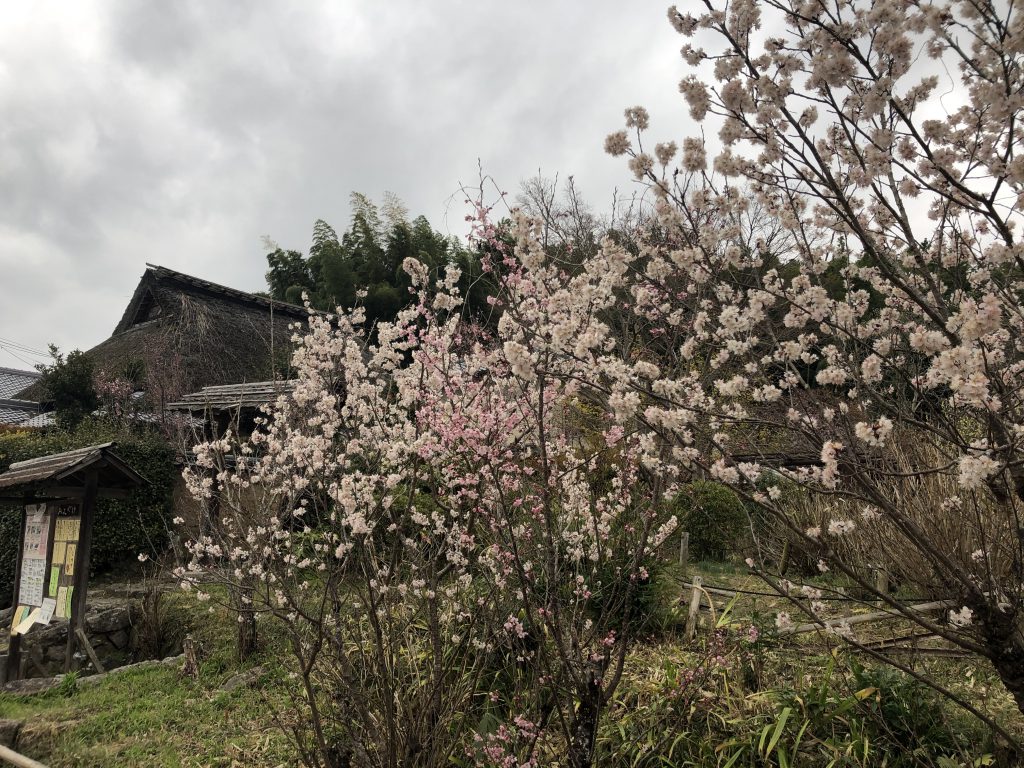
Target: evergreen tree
288,276
69,387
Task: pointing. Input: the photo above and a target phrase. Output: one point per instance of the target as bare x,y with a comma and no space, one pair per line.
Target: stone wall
111,630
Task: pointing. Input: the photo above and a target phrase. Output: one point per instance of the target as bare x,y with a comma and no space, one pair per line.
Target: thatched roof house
180,333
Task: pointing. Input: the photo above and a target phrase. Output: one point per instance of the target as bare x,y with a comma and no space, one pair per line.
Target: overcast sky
183,133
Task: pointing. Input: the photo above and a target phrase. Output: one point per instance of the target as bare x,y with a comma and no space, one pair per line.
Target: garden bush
123,529
691,708
713,515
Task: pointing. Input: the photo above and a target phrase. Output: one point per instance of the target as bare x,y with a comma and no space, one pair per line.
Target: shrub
649,604
713,515
122,529
686,709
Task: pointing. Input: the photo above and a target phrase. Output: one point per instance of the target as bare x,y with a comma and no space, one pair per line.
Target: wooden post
84,640
81,576
210,523
13,669
190,668
691,617
784,559
881,580
684,549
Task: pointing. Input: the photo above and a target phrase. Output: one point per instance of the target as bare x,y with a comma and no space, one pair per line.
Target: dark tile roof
13,381
16,411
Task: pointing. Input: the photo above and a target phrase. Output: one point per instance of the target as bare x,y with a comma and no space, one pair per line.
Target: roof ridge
265,383
84,451
20,372
209,285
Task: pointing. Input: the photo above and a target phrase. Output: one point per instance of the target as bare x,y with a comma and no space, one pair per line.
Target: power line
23,347
12,353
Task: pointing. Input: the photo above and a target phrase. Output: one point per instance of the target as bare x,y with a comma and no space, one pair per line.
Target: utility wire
23,347
12,353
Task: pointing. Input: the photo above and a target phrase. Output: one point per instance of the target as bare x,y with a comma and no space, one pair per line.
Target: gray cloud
180,133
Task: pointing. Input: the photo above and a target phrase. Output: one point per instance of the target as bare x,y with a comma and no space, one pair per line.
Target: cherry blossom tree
452,545
881,351
452,526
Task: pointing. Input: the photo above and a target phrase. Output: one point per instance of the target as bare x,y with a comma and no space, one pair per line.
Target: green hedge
714,516
122,529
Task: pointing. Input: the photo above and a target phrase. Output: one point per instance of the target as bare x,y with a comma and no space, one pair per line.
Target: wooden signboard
59,492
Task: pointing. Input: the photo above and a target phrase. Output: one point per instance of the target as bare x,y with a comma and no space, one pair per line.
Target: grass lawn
156,717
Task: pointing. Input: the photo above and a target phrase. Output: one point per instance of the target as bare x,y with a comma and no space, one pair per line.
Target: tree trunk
584,733
190,668
1004,635
247,635
1010,667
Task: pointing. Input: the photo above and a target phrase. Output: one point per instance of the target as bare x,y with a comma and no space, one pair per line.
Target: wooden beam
81,575
59,493
84,640
710,590
18,759
72,492
861,618
12,671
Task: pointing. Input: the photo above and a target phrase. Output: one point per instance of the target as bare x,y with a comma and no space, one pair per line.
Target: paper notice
26,623
54,581
58,551
69,559
71,591
33,578
62,603
35,512
37,531
19,615
46,610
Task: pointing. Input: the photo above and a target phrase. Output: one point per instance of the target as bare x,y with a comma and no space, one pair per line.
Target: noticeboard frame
80,575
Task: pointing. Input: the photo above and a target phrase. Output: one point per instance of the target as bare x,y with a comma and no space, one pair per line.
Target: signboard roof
67,471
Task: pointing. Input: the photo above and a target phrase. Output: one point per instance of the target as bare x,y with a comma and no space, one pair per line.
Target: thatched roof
191,333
